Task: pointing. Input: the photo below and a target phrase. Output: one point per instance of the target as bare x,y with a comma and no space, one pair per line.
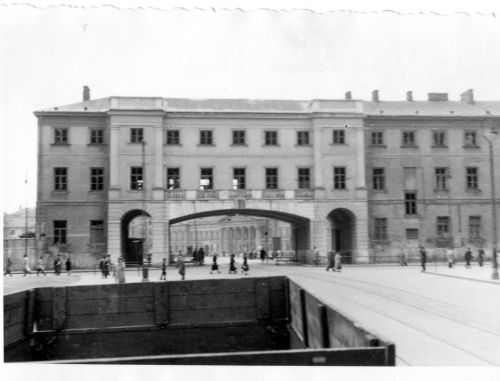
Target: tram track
377,290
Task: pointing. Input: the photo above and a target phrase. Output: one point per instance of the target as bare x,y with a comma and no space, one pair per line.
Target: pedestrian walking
423,258
164,269
41,267
101,267
402,257
450,257
262,255
215,266
316,256
330,261
245,268
8,267
68,265
338,261
232,265
480,257
182,268
57,265
201,256
106,266
468,257
120,271
26,265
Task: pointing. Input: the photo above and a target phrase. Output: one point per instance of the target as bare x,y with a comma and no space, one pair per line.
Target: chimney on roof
348,95
375,97
467,96
409,96
437,97
86,93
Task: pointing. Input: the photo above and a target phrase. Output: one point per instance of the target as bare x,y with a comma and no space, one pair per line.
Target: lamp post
494,274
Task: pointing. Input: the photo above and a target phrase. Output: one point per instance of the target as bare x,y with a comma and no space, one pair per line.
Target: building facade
361,177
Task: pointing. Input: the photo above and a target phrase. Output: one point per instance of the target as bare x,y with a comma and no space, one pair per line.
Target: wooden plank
114,305
278,304
324,326
303,313
14,315
14,300
390,354
314,332
13,333
59,308
345,332
161,303
211,286
213,315
295,309
30,312
262,299
209,301
110,320
104,291
43,295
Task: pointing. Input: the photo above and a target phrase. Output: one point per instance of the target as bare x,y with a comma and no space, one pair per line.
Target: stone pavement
443,317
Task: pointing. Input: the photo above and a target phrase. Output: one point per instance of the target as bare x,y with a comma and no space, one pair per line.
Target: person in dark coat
423,258
57,265
164,269
101,267
262,255
8,267
232,265
68,265
330,261
106,266
201,256
245,268
182,267
215,266
468,258
480,257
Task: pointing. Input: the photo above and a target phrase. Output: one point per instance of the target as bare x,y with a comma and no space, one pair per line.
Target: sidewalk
475,273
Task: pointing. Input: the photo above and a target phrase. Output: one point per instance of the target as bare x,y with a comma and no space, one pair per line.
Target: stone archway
133,245
343,232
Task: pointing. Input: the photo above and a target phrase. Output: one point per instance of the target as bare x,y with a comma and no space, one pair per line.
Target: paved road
434,320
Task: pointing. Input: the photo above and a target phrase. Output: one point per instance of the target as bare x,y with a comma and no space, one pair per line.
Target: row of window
441,178
206,137
61,226
439,138
442,228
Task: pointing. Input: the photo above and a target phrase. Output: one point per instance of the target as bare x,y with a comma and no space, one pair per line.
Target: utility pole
494,274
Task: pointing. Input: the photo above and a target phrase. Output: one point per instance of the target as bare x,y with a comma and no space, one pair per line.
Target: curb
464,278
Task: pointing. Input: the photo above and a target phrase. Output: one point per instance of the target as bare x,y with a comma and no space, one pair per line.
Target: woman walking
245,268
120,271
26,265
68,265
41,267
331,261
182,268
8,267
215,266
338,261
164,269
232,265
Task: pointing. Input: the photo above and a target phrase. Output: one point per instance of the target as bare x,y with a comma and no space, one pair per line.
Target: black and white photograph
236,189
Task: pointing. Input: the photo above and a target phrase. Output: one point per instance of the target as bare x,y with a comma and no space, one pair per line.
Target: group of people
334,261
40,266
451,257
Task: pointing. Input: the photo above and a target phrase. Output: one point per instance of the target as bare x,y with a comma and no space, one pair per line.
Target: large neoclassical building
363,177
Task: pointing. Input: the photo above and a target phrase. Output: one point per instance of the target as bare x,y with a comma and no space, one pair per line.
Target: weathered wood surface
314,325
296,321
14,317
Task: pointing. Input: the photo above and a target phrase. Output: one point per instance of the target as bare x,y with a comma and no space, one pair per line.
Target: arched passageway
135,230
343,230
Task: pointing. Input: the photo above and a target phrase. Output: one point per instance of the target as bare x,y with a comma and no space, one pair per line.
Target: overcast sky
48,54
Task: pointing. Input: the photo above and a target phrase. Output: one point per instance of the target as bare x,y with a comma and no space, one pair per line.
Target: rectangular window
96,231
96,136
206,178
470,139
173,178
271,138
441,177
238,178
410,203
438,138
60,135
96,179
377,138
271,178
472,178
409,178
304,178
136,178
411,234
339,178
474,227
380,232
408,138
378,178
136,135
59,232
303,138
206,137
338,137
238,137
173,137
443,226
61,179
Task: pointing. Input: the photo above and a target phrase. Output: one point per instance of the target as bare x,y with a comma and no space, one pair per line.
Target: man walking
450,256
423,258
182,267
8,267
57,265
41,267
480,257
164,269
468,258
330,261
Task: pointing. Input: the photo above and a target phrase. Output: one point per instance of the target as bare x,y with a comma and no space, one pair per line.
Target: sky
233,50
